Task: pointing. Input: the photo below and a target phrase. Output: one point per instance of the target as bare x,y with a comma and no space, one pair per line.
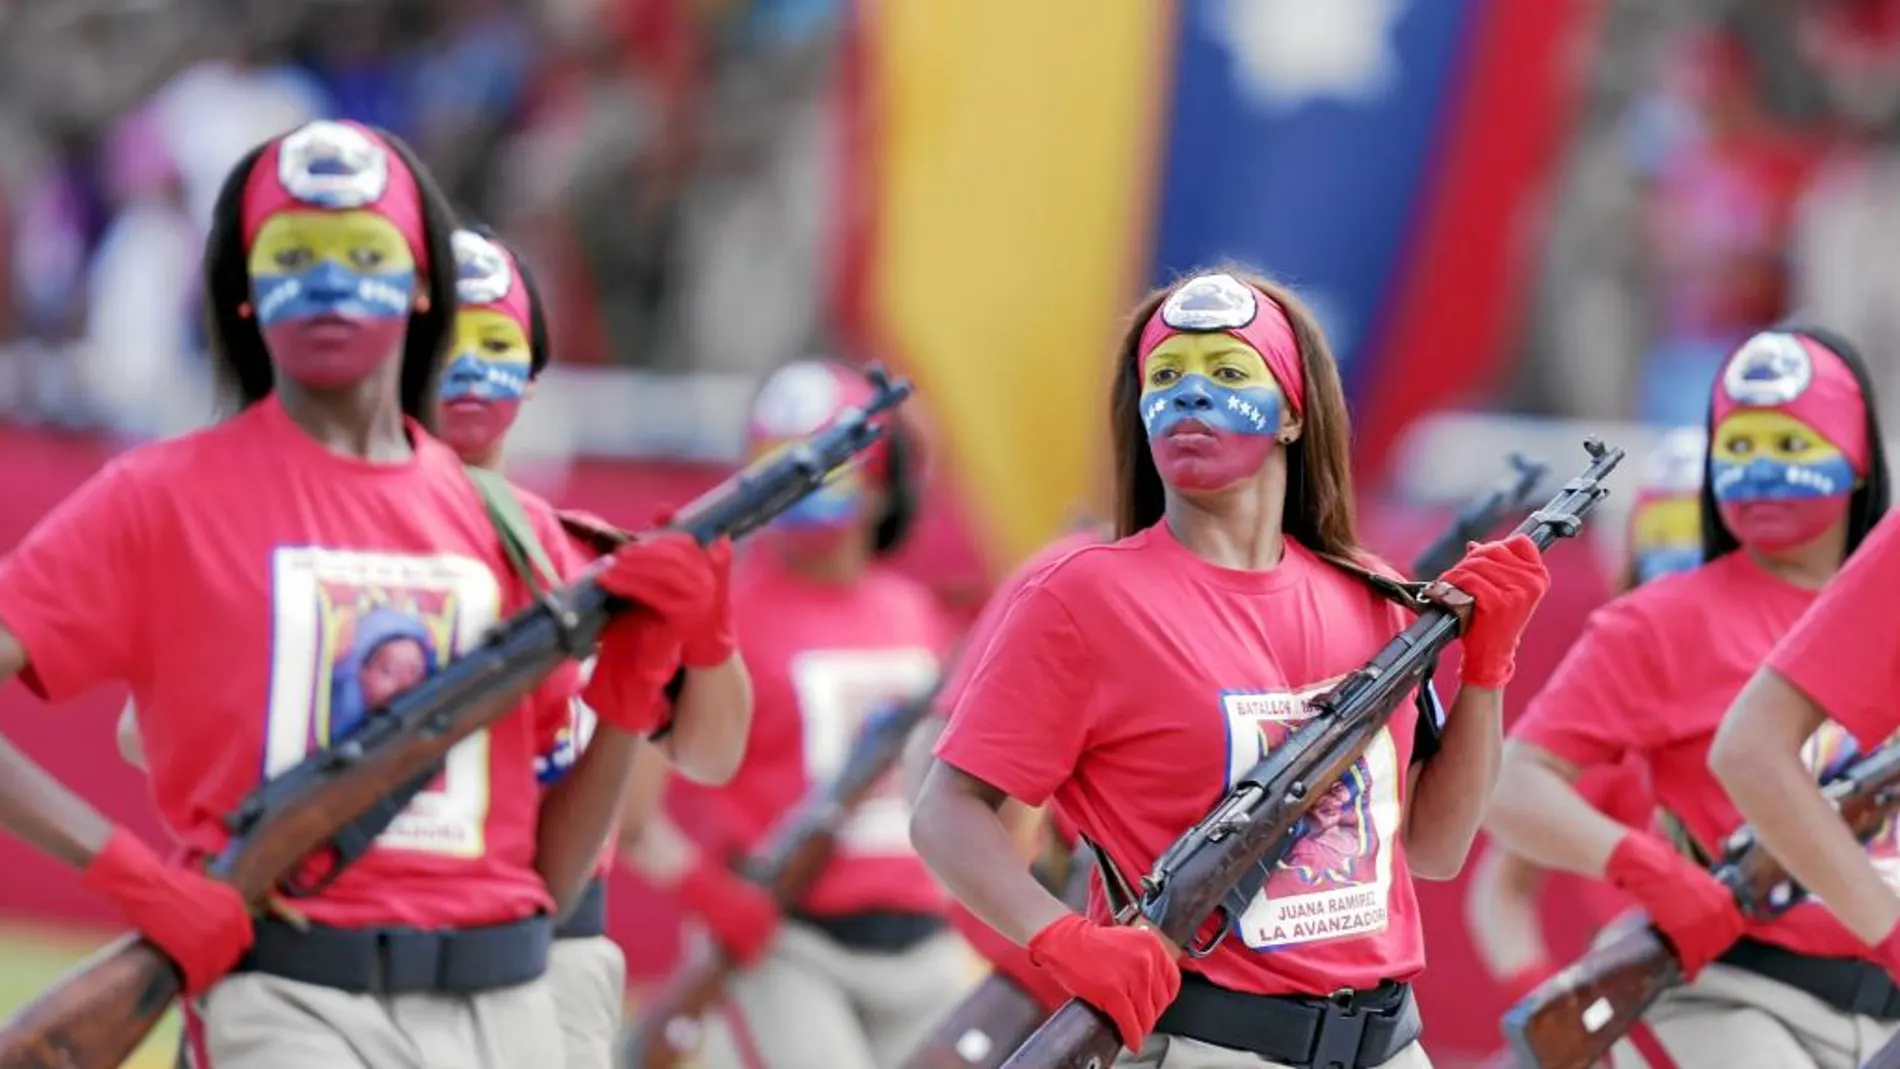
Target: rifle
1574,1017
1481,516
998,1016
1216,869
669,1027
95,1016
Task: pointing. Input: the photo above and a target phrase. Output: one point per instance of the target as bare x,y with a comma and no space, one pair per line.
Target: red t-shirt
256,591
1844,654
1653,675
1133,681
823,657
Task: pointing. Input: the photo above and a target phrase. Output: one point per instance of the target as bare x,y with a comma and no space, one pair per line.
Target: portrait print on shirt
1334,881
838,690
350,631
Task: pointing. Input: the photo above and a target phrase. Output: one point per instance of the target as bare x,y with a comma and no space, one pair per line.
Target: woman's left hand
1505,580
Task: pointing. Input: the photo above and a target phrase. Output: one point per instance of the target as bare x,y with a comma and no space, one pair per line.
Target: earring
422,303
244,309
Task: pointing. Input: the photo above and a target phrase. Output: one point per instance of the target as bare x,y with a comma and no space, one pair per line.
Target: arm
707,743
1501,914
1757,756
578,813
1545,819
35,806
959,831
1451,791
644,798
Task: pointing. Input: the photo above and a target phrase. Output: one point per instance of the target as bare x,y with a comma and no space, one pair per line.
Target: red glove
1010,960
1887,953
1521,983
638,656
1122,971
1691,908
667,573
200,923
712,644
741,914
1506,580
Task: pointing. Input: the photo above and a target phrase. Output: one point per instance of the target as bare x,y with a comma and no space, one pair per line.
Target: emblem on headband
796,400
1769,369
482,274
1210,302
1676,465
332,165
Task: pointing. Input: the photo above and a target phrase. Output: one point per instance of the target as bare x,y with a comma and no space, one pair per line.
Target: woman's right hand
742,916
202,924
1123,971
1691,908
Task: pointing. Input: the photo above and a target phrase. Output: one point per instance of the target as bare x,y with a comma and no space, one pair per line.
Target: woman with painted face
857,971
1796,479
1501,903
321,526
1132,680
500,350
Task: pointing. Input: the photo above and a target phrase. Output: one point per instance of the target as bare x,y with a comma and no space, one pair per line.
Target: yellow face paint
492,337
292,242
1220,358
1758,434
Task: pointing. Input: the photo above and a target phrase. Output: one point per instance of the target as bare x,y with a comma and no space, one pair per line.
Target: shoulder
888,591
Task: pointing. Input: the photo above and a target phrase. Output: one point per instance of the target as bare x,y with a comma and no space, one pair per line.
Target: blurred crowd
1730,162
650,156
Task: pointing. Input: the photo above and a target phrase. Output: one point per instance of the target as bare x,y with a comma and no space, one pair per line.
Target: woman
862,966
1131,680
1796,478
320,504
1501,911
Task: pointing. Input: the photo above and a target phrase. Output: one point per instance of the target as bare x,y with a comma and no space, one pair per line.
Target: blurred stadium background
1522,221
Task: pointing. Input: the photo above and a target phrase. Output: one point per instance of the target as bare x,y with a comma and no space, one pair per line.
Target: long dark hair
1874,494
540,350
1319,510
240,360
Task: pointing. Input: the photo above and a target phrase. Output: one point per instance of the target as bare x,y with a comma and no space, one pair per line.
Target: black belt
1350,1030
877,931
398,961
1847,984
589,918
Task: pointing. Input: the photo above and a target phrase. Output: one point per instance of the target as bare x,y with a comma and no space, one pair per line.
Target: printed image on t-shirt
1828,752
1334,880
352,630
838,690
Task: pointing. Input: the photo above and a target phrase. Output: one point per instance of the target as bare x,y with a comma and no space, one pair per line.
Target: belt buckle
1342,1028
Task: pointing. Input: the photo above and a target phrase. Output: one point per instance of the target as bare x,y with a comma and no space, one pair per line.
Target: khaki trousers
588,979
254,1021
1730,1018
1179,1052
812,1004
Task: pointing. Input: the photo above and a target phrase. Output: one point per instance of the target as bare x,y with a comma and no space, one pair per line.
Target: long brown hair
1319,493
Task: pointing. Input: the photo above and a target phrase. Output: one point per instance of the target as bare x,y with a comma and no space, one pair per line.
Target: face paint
1777,482
485,380
1210,408
835,506
331,293
1665,536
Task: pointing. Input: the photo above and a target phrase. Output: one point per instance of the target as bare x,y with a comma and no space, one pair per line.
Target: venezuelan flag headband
493,358
1219,369
1790,441
1665,525
800,399
332,226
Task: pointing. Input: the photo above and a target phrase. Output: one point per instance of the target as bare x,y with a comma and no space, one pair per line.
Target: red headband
486,277
1221,302
805,396
1799,376
334,166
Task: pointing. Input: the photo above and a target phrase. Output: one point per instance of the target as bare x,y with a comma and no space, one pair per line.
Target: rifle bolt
344,755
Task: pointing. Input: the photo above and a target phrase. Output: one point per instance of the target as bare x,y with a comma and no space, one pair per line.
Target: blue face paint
836,504
1252,410
1762,479
471,378
1656,563
329,288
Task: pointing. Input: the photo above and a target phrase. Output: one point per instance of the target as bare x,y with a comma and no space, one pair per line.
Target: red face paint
473,427
1780,525
1192,459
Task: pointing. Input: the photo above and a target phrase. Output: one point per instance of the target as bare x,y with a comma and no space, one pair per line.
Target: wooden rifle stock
96,1015
1573,1018
670,1024
1217,867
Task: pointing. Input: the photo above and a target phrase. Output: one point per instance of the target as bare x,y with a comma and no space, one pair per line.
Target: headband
486,277
1221,302
1674,468
803,397
1797,375
334,166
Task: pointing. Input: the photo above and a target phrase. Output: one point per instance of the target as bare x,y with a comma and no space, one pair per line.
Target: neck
1238,527
487,459
1808,566
840,564
362,421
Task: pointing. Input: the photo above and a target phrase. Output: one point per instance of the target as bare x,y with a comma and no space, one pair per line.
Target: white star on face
1286,52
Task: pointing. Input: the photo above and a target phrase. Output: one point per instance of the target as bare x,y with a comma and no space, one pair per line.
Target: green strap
525,552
